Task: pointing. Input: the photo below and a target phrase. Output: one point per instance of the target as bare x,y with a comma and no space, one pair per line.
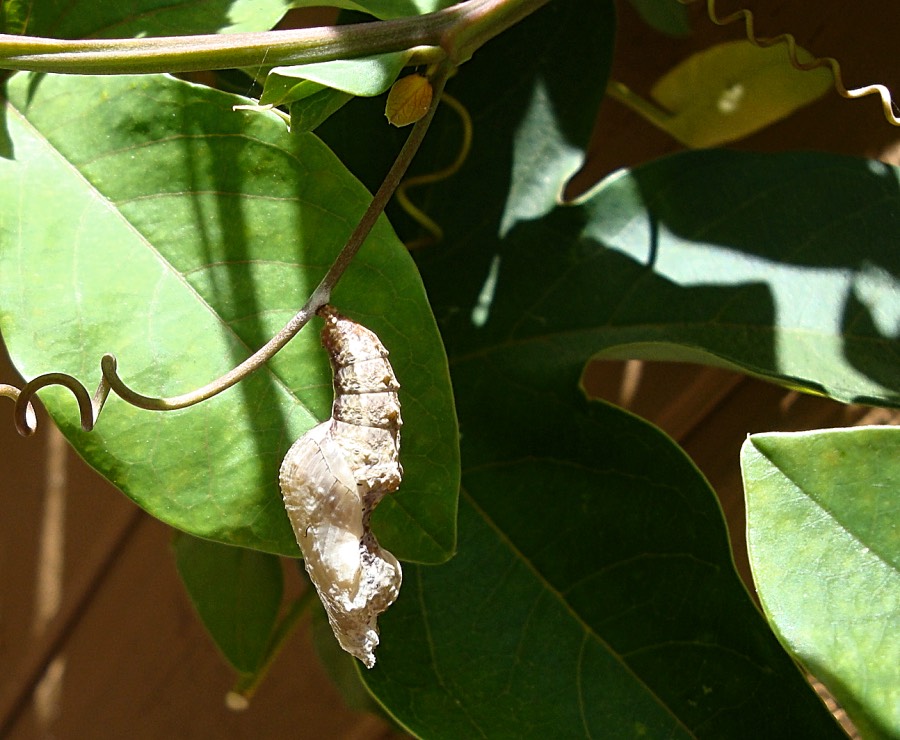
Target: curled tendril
435,233
28,422
887,103
90,406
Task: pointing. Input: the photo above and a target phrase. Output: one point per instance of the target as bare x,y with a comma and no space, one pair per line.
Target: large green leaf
143,217
784,266
822,514
237,594
125,18
593,594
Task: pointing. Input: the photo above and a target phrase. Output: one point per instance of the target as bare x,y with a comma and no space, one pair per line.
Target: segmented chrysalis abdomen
334,476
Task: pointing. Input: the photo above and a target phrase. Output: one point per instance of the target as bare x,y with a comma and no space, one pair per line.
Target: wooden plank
139,665
58,530
673,395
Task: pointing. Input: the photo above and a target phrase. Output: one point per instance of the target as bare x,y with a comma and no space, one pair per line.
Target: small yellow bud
408,100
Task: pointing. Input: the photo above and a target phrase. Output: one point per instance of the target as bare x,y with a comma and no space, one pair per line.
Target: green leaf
367,76
13,16
593,594
822,513
237,595
666,16
315,91
308,114
734,89
782,266
72,19
380,8
552,131
181,237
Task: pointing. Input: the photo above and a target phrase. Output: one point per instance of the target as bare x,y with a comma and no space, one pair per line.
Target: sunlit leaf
125,18
734,89
181,237
380,8
822,528
365,76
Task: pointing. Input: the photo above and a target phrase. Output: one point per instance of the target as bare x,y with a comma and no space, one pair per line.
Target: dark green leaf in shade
553,109
309,113
181,237
593,594
13,16
823,531
237,595
667,16
784,266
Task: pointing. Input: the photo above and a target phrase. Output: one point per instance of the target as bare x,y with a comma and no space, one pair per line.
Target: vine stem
458,30
90,407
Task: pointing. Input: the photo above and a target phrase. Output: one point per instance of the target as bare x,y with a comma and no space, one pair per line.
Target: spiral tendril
435,232
887,104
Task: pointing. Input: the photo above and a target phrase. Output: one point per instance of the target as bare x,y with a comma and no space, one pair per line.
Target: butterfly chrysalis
334,476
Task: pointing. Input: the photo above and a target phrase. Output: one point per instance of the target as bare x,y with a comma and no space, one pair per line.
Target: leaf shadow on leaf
210,230
219,167
819,231
7,151
520,86
882,367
